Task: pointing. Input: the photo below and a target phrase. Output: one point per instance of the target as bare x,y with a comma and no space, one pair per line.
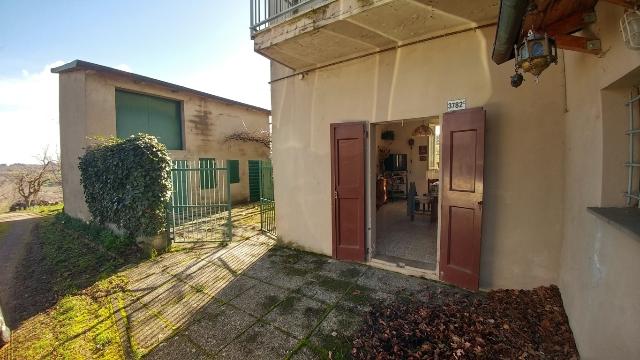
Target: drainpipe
509,24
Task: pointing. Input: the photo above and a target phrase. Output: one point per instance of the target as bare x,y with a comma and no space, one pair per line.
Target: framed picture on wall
423,158
423,150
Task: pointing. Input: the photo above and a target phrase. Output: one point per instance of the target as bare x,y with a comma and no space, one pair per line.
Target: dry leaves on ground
450,324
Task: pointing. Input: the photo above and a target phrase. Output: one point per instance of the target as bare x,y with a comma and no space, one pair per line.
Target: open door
462,190
348,190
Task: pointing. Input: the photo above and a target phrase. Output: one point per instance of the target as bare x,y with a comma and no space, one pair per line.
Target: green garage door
137,113
254,180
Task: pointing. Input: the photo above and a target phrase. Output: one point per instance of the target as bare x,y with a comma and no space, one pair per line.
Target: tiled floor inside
398,239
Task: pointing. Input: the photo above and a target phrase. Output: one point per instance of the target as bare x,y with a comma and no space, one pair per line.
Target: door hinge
366,133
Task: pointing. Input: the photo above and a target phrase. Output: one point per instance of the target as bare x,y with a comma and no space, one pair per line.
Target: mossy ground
82,275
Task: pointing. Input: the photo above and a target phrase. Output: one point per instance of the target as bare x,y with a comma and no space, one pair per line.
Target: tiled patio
250,299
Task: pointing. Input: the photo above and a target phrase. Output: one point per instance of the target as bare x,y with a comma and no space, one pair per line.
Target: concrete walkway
252,300
15,236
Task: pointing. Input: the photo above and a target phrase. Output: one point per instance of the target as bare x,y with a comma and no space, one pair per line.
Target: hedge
127,182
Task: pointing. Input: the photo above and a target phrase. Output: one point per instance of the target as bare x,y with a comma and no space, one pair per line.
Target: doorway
401,171
406,168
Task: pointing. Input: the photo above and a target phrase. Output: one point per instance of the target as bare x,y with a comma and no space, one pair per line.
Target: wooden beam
578,43
629,4
572,23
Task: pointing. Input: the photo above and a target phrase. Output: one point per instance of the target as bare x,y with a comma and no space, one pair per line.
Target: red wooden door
462,188
347,184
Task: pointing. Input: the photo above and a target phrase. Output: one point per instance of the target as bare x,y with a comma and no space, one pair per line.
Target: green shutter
234,171
207,173
137,113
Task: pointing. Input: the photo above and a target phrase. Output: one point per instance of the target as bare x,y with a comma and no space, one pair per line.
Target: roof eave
78,65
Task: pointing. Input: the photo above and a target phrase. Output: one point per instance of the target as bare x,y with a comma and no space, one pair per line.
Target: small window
160,117
208,173
234,171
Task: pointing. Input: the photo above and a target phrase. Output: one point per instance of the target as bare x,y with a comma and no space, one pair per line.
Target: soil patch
450,324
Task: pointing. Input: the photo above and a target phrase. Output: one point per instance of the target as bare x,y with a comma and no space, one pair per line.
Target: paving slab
390,282
260,299
342,270
212,333
147,330
207,277
178,347
297,315
236,288
168,291
306,353
242,256
187,307
143,284
335,333
360,298
325,288
259,342
273,271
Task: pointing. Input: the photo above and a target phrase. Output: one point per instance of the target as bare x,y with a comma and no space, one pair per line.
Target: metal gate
267,202
200,204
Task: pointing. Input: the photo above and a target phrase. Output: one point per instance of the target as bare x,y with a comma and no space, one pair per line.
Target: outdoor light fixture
630,26
534,55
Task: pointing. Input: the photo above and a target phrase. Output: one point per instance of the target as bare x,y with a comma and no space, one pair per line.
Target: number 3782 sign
459,104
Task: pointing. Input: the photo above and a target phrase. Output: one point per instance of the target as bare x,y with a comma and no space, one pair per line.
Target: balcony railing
265,13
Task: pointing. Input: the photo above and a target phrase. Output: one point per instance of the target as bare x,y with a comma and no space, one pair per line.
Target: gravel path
14,240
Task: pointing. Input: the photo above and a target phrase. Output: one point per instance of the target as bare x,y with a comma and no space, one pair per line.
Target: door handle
335,194
480,203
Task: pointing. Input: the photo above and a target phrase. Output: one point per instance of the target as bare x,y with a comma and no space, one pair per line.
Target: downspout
509,25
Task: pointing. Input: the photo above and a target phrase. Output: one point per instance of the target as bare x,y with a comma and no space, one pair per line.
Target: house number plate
459,104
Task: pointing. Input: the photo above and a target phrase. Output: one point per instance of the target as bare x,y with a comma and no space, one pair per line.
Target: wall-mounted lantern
630,26
536,53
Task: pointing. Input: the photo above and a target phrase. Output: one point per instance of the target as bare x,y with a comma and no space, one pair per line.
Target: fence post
260,167
229,221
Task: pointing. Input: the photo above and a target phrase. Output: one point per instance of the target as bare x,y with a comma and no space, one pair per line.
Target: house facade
100,101
526,187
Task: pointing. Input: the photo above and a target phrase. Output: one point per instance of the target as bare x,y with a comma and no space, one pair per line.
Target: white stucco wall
523,205
600,261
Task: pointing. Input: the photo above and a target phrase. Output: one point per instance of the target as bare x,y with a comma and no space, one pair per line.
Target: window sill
627,219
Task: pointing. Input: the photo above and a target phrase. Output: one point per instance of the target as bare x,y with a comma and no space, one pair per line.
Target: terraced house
410,143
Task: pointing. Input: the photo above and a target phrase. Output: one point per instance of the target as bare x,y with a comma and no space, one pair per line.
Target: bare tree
29,182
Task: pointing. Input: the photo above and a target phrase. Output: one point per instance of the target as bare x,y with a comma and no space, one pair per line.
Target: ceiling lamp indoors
536,53
423,130
630,26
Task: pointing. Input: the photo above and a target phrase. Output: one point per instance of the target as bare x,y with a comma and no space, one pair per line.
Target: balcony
303,34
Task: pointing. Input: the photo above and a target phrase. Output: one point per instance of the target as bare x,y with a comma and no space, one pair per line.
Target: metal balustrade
265,13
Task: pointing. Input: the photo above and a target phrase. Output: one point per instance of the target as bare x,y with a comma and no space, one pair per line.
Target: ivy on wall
127,182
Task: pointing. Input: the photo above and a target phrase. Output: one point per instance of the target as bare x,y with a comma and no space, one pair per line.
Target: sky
201,44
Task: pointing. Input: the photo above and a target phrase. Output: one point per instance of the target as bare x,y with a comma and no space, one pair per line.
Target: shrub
127,182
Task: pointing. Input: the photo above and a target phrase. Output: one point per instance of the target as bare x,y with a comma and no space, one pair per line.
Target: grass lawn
45,210
75,265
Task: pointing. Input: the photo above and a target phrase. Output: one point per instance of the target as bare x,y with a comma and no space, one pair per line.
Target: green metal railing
267,200
200,204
